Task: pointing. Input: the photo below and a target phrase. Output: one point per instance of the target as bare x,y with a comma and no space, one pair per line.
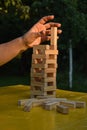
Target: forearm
11,49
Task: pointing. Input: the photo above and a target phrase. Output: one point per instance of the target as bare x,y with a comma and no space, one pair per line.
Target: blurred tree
13,17
14,21
72,14
17,16
82,46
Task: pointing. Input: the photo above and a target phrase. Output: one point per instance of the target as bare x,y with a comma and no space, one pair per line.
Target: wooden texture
80,104
53,36
50,65
51,105
62,109
70,104
43,69
44,56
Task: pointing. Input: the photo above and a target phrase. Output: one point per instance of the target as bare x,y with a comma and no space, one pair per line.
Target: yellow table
12,117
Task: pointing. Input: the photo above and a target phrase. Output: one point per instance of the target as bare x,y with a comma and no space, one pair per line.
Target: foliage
13,14
17,16
69,13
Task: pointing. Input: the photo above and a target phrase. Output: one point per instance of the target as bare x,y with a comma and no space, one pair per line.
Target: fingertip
52,16
59,31
59,24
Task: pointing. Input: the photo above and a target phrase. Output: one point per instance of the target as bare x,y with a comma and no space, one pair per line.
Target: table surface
12,116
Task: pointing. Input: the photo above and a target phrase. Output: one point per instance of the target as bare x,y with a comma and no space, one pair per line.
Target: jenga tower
43,69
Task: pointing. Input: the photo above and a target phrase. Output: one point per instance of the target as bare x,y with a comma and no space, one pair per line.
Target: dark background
17,16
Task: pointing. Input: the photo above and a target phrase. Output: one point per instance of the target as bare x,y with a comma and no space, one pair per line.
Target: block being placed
54,36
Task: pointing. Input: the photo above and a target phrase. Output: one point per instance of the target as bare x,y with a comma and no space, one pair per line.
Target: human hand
40,32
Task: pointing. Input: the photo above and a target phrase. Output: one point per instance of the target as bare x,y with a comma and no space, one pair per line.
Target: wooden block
38,102
39,93
53,36
55,52
43,61
62,109
23,101
36,92
80,104
40,49
49,61
70,104
53,47
51,75
46,102
52,56
37,70
35,83
44,97
43,70
53,99
37,79
44,89
44,56
50,70
46,79
38,61
28,106
50,88
59,99
38,85
37,88
51,105
50,96
50,92
44,73
50,65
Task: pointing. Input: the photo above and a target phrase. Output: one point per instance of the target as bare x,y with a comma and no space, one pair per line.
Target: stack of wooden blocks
43,70
43,80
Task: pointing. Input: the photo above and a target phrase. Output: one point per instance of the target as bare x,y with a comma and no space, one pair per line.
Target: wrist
25,42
